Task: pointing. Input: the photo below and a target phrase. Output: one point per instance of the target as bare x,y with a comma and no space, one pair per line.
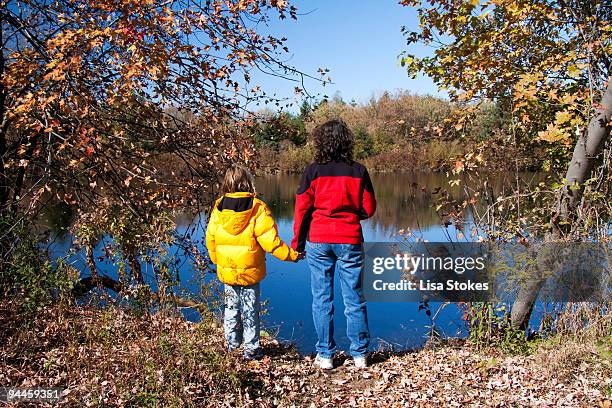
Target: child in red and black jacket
334,195
331,200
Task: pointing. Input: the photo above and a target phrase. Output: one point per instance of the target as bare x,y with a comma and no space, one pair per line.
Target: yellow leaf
574,71
563,117
552,134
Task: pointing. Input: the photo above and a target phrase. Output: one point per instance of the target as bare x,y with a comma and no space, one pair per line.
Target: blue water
287,285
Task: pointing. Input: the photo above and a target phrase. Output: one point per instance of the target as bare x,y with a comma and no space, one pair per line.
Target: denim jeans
241,317
323,260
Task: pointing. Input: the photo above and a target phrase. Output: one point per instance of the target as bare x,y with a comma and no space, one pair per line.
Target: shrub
27,274
441,151
364,144
295,157
271,131
489,326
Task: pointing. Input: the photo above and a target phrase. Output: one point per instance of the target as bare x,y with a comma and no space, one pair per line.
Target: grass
111,357
569,359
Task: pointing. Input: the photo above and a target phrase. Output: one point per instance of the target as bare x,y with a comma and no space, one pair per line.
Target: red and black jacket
331,200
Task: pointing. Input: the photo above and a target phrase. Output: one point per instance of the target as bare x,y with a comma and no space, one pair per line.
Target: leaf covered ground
114,358
444,377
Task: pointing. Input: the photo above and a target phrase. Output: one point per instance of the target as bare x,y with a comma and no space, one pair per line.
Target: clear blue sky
358,41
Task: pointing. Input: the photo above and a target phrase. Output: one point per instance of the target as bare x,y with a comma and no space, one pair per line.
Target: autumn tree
547,64
126,109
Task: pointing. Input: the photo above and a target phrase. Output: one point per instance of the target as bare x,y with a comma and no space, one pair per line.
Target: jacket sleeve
368,200
211,245
266,233
304,206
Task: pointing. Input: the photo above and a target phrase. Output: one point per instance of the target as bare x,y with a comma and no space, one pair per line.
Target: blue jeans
241,317
349,260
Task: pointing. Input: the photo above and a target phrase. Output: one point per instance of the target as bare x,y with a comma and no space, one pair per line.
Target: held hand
300,256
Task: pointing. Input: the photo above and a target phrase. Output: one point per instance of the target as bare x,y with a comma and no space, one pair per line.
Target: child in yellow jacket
240,231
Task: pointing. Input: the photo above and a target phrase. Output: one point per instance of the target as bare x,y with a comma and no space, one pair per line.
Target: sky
358,41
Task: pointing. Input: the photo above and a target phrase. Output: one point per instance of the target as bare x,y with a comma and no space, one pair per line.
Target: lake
404,201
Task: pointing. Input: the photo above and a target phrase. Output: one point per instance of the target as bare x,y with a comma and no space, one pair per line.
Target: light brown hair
237,178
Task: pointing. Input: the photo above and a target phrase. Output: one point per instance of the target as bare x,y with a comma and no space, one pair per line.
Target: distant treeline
395,132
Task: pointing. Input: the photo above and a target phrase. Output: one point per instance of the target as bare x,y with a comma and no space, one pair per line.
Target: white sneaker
324,363
360,362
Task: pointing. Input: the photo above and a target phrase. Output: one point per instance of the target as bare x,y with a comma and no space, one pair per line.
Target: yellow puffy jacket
240,231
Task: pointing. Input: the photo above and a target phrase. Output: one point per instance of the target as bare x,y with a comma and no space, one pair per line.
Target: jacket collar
240,194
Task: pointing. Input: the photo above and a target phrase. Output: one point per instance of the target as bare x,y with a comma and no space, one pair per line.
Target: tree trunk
586,151
4,191
587,148
91,261
134,265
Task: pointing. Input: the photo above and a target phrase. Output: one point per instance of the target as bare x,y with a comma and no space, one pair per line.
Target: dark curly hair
333,141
